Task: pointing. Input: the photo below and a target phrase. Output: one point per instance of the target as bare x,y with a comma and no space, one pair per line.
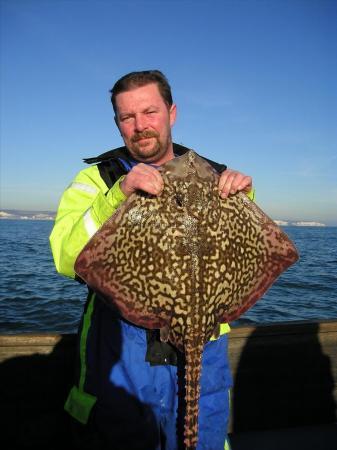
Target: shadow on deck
285,387
284,396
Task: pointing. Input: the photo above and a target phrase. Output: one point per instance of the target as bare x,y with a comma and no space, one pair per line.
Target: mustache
144,135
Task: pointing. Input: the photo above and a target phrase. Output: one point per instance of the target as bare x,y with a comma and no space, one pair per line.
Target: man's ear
173,114
117,125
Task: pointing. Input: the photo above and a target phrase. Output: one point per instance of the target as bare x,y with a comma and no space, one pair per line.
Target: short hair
133,80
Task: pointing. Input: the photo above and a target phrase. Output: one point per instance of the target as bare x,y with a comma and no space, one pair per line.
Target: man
129,386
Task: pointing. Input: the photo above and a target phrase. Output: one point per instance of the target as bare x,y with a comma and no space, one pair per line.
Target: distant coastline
15,214
285,223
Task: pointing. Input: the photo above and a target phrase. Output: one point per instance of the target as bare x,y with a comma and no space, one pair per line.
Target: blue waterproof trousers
152,396
139,406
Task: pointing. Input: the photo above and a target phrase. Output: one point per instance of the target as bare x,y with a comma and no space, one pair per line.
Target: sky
255,83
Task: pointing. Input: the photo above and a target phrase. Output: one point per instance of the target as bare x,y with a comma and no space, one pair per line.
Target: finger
225,184
154,180
223,178
144,178
148,171
246,184
151,183
236,182
151,187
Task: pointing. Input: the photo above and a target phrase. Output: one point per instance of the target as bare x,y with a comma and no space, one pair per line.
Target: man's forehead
139,94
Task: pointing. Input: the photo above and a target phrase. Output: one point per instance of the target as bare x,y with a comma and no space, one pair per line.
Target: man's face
144,121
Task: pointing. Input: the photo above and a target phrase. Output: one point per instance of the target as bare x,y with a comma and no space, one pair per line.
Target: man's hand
142,177
231,182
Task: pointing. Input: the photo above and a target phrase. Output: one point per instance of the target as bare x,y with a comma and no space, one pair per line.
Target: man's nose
140,122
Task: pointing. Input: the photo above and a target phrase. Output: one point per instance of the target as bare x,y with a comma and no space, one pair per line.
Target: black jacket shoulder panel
109,165
120,152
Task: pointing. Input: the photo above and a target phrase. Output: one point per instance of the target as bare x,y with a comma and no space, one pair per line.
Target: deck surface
322,437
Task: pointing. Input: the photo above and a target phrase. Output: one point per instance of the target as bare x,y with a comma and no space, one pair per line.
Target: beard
148,147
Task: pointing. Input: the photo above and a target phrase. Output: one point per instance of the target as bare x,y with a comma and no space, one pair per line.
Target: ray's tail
193,354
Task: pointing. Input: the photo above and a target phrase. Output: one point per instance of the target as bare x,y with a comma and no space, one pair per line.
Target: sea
34,298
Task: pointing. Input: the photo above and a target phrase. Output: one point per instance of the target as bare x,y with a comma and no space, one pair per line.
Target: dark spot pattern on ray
186,261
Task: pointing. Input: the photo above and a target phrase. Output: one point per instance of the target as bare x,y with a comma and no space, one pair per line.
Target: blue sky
255,83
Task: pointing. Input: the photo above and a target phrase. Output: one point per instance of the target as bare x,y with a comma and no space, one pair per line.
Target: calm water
34,298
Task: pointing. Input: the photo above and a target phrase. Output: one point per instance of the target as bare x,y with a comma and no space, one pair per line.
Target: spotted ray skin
186,261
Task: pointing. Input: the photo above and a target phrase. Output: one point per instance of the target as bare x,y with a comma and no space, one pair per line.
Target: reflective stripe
83,187
227,446
83,340
79,403
89,224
